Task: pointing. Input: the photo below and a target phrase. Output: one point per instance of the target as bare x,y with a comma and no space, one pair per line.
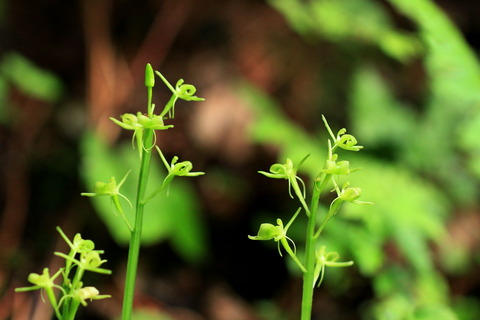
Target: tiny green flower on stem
175,169
88,293
46,283
289,172
181,91
342,140
278,233
139,124
112,190
350,194
346,194
326,259
89,261
337,168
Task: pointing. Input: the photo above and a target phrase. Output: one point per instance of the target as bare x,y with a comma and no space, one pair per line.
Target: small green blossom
342,140
278,233
334,167
112,190
82,245
289,172
89,261
88,293
174,169
139,123
346,194
181,91
326,259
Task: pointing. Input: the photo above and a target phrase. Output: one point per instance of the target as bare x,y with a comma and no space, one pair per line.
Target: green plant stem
72,311
309,276
135,239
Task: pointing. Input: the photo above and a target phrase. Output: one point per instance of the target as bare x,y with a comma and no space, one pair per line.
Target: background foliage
403,76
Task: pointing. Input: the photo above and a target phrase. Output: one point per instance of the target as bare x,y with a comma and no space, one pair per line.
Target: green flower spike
326,259
278,233
289,172
112,190
181,91
342,140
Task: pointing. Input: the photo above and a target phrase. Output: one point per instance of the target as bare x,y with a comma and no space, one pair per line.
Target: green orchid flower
88,293
174,169
138,124
289,172
45,283
112,190
181,91
342,140
325,259
278,233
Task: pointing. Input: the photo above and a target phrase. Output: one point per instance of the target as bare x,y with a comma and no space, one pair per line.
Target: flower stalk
316,258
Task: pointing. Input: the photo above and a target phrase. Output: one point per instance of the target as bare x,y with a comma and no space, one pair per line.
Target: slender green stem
53,300
135,239
309,276
74,304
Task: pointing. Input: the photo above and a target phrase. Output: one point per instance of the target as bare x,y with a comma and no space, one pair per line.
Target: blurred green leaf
31,79
376,115
453,109
406,296
188,235
150,314
173,217
467,308
433,312
363,21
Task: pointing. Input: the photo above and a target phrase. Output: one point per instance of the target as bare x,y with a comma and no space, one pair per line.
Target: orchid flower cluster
67,297
82,256
145,127
140,124
317,258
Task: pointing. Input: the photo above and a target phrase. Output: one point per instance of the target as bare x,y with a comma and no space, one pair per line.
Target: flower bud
149,76
350,194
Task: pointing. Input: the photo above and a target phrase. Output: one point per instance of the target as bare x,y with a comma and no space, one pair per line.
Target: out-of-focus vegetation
399,74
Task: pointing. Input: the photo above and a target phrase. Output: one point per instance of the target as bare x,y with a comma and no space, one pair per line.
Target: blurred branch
110,77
